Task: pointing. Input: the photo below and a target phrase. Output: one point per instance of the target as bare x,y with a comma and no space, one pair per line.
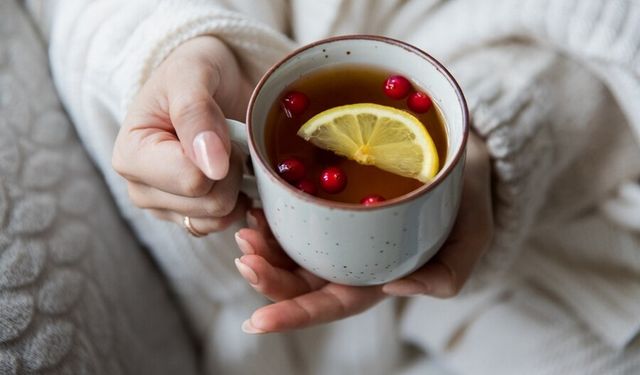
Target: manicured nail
211,155
441,279
244,245
252,220
405,288
246,272
247,327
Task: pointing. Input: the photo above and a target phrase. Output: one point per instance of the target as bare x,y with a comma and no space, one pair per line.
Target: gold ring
189,227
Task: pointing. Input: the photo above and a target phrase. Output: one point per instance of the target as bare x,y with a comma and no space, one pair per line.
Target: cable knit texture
77,294
553,87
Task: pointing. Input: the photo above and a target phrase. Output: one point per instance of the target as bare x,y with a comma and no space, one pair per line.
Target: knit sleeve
102,52
106,50
538,112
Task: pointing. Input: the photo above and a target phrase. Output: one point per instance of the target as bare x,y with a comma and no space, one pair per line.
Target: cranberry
294,103
372,199
419,102
292,170
333,180
308,187
397,87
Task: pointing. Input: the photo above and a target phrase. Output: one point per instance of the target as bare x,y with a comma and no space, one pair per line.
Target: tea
324,89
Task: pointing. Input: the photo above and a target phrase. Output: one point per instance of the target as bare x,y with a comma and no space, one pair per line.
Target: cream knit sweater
554,88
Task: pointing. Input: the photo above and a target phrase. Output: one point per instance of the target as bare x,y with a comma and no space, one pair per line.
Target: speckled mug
349,243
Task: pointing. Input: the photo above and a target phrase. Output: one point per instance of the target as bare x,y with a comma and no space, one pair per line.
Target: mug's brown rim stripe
391,202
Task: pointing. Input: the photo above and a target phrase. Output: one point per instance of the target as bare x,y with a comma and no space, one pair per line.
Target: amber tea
323,173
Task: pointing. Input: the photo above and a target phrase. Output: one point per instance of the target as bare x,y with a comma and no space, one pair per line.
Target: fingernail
405,288
246,272
247,327
244,245
252,221
211,155
441,280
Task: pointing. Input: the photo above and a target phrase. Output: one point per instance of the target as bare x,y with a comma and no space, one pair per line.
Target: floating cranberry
308,187
294,103
372,199
397,87
292,170
419,102
333,180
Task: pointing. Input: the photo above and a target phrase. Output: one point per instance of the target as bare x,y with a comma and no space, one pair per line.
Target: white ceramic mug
349,243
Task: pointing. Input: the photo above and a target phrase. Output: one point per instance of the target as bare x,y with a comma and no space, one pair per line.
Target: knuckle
118,164
212,226
126,153
451,290
159,215
139,199
217,225
452,284
218,206
189,106
194,184
227,205
176,66
135,197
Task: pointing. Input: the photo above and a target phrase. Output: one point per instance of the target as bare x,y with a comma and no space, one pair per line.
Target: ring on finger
189,227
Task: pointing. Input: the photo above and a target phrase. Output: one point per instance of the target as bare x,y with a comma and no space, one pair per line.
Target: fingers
198,120
200,127
330,303
174,137
251,241
436,278
217,202
154,157
207,225
445,275
256,220
266,267
275,283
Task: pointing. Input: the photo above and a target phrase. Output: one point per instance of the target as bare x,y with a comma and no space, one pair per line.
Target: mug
349,243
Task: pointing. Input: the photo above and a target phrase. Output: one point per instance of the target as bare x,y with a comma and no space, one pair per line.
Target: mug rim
354,206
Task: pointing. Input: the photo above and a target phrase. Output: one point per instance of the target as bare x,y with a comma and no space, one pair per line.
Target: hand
446,273
173,148
303,299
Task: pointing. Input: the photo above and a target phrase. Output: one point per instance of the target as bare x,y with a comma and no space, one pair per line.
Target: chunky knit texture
78,295
553,87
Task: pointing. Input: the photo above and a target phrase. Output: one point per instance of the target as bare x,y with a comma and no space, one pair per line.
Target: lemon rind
430,167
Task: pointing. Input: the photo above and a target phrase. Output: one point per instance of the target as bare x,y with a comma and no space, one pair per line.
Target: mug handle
239,136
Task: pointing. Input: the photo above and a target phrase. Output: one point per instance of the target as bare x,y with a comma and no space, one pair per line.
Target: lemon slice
378,135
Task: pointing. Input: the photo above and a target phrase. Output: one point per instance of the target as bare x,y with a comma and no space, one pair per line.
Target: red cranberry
419,102
294,103
372,199
397,87
333,180
308,187
292,170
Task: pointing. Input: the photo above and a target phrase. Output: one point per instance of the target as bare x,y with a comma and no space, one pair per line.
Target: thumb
201,128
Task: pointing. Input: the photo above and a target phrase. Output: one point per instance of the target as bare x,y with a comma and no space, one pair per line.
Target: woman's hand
302,299
173,148
446,273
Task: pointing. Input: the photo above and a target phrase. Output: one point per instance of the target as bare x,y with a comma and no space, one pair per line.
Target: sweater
553,89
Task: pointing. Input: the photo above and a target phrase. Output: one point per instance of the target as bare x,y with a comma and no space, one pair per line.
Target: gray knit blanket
78,295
